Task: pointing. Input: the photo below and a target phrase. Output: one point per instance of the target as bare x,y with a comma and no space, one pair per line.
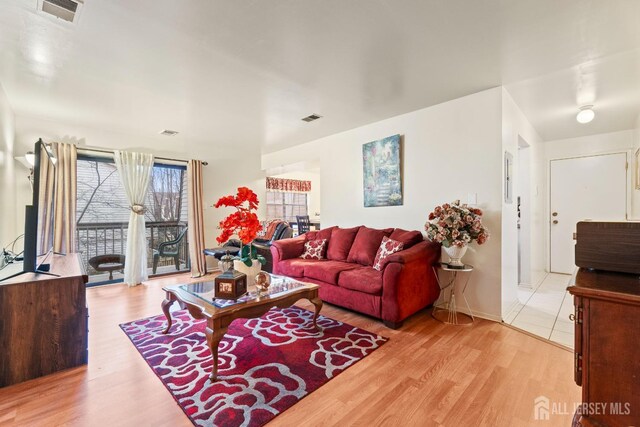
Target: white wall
589,145
515,126
223,177
449,150
9,225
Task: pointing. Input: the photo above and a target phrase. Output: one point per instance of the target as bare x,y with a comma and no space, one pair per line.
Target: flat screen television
39,216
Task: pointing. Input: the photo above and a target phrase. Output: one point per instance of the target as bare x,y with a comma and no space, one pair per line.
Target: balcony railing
106,238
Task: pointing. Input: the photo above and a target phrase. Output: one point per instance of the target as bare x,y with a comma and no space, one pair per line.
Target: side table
446,311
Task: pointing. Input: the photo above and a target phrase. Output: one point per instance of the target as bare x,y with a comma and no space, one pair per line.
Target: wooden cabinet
607,347
43,322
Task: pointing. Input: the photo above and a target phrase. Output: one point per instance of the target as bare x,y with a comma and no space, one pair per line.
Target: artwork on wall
382,173
508,177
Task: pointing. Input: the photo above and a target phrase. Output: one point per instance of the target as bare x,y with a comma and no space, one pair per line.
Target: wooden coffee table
200,300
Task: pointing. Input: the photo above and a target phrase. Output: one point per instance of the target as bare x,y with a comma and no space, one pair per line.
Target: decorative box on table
230,285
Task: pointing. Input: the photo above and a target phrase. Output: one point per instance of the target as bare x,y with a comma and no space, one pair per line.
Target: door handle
555,221
555,214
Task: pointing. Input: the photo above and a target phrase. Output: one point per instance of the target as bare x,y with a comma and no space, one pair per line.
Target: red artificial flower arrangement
244,221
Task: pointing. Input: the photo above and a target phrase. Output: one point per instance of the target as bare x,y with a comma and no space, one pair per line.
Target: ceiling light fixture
168,132
586,114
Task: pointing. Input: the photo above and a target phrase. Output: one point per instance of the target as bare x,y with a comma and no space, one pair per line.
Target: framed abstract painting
382,172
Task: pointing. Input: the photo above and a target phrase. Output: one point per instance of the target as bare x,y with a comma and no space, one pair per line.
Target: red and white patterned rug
266,365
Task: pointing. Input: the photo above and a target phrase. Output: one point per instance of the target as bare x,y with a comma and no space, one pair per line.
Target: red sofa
346,277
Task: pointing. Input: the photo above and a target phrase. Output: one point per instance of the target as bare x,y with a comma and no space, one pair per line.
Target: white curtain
135,173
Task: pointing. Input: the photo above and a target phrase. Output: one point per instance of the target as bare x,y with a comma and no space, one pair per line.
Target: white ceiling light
586,114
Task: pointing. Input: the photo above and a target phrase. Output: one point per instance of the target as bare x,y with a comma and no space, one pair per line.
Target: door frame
628,187
524,174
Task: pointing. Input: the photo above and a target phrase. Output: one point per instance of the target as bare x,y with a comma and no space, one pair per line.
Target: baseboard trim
481,315
514,305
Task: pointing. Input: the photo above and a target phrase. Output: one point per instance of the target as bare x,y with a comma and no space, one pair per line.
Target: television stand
50,313
40,270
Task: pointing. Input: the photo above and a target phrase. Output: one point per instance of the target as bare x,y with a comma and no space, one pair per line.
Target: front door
593,187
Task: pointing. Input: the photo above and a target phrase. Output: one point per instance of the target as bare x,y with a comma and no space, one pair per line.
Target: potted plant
245,224
455,226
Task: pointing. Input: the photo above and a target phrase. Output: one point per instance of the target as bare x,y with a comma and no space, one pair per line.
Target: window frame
283,206
110,160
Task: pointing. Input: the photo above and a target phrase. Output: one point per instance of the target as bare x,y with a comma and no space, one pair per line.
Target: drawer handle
572,317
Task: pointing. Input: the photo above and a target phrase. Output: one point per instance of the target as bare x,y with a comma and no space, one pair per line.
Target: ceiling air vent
311,118
68,10
168,132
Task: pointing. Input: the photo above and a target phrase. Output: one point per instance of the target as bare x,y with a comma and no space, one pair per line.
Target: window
285,205
102,215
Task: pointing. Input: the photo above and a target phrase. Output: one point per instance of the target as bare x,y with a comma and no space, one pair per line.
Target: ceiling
234,74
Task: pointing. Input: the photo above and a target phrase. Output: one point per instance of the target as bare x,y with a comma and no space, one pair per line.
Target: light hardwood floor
428,374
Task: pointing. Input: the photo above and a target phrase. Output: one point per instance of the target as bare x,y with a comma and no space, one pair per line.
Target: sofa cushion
325,233
366,244
294,267
362,279
314,249
340,243
408,238
387,247
327,271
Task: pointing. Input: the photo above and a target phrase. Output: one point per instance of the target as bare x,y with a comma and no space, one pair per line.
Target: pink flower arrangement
453,224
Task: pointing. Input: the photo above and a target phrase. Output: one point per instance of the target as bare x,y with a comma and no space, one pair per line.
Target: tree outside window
102,213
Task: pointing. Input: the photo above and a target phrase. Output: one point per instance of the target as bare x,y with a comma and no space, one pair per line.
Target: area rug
266,365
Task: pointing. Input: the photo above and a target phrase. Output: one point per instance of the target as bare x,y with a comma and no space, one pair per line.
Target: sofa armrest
421,251
286,249
409,283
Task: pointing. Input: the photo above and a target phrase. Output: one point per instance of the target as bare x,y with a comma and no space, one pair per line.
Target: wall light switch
472,198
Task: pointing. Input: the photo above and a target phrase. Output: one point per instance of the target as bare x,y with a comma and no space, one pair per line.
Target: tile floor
545,309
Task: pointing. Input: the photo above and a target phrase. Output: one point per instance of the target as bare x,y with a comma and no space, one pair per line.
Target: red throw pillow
387,247
365,246
314,249
325,233
409,238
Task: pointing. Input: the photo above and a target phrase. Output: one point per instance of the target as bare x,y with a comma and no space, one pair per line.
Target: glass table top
206,291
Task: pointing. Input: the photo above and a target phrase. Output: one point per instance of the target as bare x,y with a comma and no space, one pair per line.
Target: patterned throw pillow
314,249
387,247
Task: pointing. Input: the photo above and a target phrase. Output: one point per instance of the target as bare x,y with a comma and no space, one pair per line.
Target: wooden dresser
43,322
607,347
